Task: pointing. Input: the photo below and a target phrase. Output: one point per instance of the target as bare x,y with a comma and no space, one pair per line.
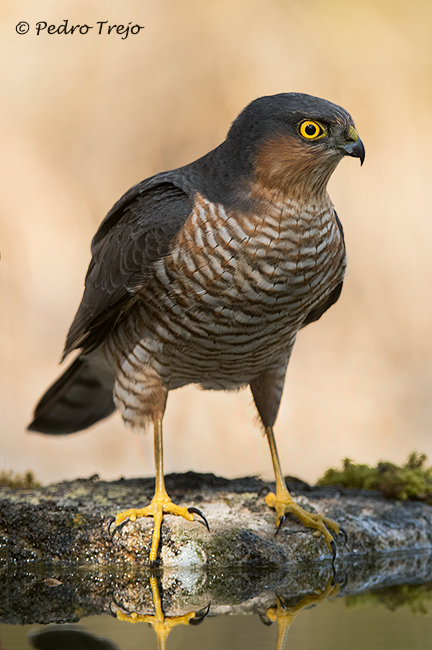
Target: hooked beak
354,146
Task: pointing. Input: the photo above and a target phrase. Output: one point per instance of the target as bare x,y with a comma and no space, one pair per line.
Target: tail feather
79,398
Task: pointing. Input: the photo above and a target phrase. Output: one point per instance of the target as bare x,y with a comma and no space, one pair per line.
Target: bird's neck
289,171
268,198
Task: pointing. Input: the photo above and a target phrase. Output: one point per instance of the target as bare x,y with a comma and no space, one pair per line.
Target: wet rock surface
59,563
68,522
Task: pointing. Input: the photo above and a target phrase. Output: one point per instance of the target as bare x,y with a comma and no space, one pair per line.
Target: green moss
409,481
24,481
415,597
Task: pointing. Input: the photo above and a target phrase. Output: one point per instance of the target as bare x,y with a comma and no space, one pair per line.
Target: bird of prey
204,275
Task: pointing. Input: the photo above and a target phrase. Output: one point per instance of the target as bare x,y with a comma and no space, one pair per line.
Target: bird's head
292,142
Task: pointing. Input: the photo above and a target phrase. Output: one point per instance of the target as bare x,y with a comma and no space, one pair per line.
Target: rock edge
67,522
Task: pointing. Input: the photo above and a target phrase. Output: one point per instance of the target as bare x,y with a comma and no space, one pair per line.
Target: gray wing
136,232
318,311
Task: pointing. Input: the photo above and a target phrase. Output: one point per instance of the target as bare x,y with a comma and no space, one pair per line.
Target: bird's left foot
323,526
160,504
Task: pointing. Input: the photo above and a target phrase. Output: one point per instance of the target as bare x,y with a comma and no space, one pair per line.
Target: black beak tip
356,150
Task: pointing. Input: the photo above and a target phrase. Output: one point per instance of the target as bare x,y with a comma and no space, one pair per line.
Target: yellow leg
162,625
161,503
283,503
285,615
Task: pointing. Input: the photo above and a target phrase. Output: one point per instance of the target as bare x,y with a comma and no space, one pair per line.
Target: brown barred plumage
205,275
227,303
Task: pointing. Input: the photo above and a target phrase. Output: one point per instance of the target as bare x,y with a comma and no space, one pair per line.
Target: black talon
280,601
118,604
200,615
111,611
280,524
338,580
264,490
343,534
335,578
195,511
333,547
116,528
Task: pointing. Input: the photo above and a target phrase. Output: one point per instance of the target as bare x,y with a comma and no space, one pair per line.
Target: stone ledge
67,522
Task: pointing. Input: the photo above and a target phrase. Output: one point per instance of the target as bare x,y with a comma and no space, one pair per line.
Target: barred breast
227,302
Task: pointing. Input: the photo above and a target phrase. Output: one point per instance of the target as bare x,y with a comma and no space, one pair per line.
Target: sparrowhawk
204,275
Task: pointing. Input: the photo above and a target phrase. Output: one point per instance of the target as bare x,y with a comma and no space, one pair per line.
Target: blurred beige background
84,117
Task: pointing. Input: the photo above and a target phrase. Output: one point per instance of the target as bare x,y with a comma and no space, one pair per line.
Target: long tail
79,398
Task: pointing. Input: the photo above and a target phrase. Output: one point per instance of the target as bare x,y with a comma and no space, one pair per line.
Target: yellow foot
285,615
322,525
160,504
161,624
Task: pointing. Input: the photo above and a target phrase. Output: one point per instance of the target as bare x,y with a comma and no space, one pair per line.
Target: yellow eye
311,130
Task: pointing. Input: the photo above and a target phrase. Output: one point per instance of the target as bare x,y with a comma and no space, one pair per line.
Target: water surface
397,617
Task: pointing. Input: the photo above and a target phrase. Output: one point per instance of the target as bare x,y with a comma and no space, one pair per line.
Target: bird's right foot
160,504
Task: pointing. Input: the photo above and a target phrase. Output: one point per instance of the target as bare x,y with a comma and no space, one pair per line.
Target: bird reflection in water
161,624
282,611
285,614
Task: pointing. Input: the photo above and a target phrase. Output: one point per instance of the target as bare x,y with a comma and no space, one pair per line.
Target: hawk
204,275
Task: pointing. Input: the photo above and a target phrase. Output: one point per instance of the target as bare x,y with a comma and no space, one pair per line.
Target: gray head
293,141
